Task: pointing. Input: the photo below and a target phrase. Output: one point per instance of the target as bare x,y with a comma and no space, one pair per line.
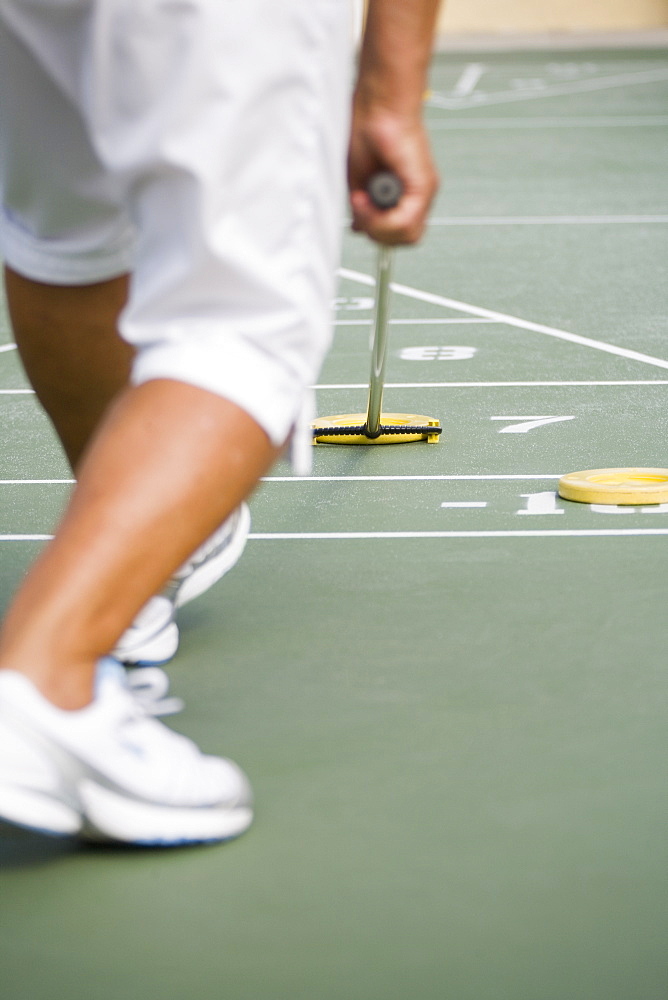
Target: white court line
7,347
479,99
550,220
17,392
363,535
25,538
381,535
403,479
485,385
320,479
613,121
543,220
469,79
464,503
415,322
451,385
550,331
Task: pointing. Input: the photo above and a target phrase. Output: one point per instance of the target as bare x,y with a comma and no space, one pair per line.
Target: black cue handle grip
385,189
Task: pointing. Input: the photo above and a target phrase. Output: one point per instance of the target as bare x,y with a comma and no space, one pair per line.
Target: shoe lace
149,687
211,545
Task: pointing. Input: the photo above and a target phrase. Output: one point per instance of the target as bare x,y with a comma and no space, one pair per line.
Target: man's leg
77,363
71,350
169,463
233,263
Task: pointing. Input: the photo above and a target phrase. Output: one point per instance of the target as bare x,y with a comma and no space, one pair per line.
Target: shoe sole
108,817
41,813
154,652
215,568
111,817
163,646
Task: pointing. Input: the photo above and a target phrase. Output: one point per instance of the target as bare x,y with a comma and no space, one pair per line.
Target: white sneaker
110,772
153,637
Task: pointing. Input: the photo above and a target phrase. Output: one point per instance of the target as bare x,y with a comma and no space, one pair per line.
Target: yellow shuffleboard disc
426,429
616,486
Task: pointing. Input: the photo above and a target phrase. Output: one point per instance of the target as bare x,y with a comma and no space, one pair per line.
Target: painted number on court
613,508
528,423
353,304
442,353
541,503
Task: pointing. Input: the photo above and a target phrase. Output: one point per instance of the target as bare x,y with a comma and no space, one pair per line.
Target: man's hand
382,142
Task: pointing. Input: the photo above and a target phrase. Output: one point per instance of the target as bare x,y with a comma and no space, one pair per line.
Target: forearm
387,128
395,54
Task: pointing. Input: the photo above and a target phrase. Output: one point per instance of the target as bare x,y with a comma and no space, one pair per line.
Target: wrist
387,99
395,56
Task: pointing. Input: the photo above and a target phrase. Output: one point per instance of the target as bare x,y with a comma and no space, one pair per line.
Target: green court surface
447,685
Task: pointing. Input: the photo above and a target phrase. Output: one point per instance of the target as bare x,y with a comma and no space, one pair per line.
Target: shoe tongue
109,673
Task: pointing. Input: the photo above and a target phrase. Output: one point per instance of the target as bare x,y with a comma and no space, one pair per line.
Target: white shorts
199,145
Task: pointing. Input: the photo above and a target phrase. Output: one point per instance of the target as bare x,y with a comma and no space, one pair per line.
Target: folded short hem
54,263
236,370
